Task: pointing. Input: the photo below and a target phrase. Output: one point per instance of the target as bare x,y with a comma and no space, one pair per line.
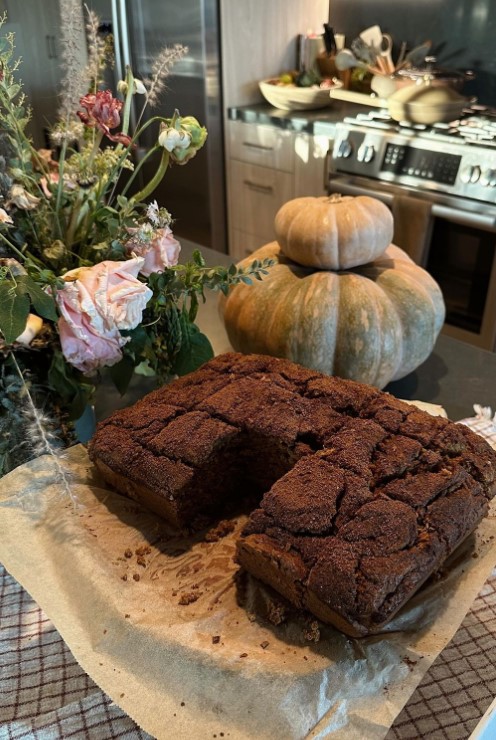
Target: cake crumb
215,639
276,613
312,631
124,577
143,550
243,655
128,553
222,529
264,644
136,577
126,616
409,662
141,561
183,704
188,598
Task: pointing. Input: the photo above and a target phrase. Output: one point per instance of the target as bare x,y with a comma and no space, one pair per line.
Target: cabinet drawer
255,196
267,146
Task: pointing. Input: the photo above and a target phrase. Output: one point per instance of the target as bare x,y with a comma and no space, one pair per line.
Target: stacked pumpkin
339,298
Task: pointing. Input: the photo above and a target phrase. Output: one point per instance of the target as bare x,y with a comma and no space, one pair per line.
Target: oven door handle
465,218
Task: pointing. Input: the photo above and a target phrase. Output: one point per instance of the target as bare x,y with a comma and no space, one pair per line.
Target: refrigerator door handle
126,54
119,68
122,44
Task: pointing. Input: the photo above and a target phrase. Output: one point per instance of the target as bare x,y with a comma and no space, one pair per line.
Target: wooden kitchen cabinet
266,167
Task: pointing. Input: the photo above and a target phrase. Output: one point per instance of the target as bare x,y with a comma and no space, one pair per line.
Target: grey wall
463,32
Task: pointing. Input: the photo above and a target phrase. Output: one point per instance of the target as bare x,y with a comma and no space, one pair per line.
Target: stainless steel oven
448,173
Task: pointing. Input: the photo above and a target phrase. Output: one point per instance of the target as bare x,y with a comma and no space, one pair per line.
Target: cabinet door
310,164
255,196
267,146
242,244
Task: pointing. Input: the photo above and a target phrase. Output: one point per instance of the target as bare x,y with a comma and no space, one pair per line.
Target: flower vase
85,426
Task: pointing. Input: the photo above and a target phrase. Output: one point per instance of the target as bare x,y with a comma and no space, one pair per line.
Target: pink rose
83,347
95,304
160,252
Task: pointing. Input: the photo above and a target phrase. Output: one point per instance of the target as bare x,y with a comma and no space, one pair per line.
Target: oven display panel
435,166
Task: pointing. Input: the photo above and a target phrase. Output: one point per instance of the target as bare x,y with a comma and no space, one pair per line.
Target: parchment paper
210,664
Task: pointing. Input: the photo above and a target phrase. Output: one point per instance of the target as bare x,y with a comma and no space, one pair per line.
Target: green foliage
75,206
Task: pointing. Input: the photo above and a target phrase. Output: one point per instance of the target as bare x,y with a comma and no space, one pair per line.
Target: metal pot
437,76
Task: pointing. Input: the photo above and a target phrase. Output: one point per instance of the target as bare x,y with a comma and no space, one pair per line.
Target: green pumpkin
374,323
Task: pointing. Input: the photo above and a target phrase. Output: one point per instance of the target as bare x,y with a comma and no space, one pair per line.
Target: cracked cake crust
364,496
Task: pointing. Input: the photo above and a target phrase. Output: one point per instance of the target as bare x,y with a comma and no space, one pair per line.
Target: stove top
456,158
477,125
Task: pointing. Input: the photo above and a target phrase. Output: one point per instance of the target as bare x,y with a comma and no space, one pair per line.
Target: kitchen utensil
340,40
329,40
417,55
385,51
363,51
345,59
372,36
381,46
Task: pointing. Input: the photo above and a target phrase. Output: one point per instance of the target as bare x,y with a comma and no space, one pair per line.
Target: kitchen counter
319,122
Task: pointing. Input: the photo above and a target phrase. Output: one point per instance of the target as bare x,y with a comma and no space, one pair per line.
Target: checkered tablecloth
45,694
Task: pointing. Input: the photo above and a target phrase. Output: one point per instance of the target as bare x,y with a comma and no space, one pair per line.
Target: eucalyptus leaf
14,310
42,302
121,374
195,348
13,90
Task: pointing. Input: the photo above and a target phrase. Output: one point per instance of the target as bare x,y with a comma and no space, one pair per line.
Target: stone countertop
316,122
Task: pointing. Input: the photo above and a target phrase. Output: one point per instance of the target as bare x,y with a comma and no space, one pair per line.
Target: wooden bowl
291,97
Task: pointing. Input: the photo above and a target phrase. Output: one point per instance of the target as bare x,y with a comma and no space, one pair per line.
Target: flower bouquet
89,266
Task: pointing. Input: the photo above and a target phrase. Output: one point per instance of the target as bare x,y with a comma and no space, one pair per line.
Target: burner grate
476,126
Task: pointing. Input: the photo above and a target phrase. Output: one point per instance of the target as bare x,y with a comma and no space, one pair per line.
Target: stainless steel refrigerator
194,193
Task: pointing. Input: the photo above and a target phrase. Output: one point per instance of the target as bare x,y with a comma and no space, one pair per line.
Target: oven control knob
476,173
466,173
488,178
365,153
344,149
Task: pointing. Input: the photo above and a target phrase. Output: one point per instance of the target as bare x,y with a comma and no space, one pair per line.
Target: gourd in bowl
374,323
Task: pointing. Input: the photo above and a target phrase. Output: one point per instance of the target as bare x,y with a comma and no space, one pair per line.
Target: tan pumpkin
374,324
334,232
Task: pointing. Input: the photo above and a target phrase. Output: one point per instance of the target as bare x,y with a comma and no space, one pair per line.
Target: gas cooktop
456,158
477,125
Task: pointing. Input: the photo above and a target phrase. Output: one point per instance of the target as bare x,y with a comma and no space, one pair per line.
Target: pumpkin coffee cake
361,496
